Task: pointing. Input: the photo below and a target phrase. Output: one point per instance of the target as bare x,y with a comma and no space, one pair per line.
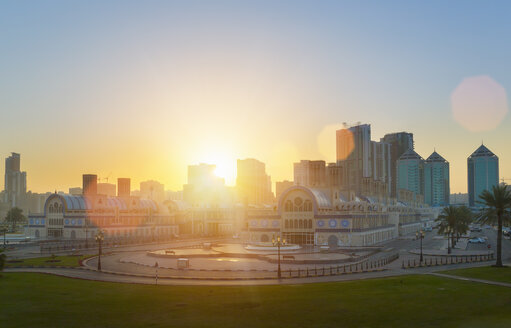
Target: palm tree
463,221
497,207
447,224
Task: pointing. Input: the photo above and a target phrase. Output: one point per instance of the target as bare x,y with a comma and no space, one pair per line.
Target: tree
497,209
2,260
15,216
447,224
463,221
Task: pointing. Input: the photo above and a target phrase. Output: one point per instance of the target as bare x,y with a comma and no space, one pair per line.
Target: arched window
50,209
300,224
287,224
295,224
289,206
307,205
310,224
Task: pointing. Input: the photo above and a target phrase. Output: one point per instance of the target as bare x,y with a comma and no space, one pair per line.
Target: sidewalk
489,282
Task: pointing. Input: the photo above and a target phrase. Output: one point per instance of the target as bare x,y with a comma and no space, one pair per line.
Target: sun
225,165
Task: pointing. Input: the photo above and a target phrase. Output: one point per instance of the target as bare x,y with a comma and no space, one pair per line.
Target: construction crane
105,179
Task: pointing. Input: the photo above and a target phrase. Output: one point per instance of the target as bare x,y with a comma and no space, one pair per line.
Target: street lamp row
278,242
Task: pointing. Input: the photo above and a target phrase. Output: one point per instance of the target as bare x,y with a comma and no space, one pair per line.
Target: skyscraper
410,174
483,173
90,184
353,152
15,183
252,182
399,142
310,173
363,161
436,180
123,187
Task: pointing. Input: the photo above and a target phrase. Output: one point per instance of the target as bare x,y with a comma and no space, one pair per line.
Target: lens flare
479,103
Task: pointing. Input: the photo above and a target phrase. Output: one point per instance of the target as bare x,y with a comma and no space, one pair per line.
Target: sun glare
225,165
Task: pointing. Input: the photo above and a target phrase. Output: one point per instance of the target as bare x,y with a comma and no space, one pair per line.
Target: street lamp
448,240
420,234
4,230
99,239
278,242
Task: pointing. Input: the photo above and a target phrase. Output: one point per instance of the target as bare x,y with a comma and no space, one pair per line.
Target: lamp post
86,233
4,230
448,240
277,242
99,239
420,234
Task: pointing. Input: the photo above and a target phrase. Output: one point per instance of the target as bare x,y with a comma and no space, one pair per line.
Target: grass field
37,300
71,261
487,273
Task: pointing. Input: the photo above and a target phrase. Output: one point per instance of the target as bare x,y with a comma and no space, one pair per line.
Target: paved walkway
489,282
84,273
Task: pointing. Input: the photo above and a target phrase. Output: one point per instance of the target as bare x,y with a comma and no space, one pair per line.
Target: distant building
483,173
399,142
252,182
108,189
204,188
280,186
152,190
76,191
365,163
123,187
353,151
410,174
90,184
173,195
310,173
459,199
15,184
436,180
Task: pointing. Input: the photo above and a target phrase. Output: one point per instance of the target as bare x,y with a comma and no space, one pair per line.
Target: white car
477,240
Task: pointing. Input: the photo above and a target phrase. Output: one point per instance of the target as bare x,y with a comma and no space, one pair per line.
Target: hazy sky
141,89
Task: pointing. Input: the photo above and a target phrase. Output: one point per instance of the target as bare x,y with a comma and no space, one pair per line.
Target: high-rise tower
483,173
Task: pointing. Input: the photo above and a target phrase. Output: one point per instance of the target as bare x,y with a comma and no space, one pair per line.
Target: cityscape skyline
185,84
272,182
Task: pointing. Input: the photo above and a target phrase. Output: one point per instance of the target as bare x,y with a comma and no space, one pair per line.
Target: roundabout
235,261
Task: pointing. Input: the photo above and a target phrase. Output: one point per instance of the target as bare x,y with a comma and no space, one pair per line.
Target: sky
142,89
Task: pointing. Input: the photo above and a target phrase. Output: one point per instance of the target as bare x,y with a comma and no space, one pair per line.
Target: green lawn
72,261
487,273
37,300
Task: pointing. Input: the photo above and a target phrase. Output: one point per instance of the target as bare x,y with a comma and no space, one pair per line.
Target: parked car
427,229
476,229
477,240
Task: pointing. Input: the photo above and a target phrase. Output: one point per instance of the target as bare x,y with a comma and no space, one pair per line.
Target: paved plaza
211,266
